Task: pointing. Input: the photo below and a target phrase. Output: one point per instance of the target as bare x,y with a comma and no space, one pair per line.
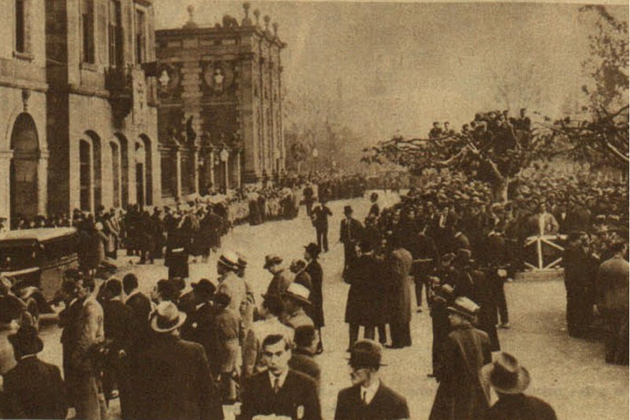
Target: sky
385,68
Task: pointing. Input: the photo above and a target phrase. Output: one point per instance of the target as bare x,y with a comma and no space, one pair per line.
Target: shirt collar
28,356
282,378
370,391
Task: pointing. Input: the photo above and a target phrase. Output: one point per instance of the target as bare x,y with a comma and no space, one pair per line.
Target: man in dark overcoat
118,322
509,380
580,275
367,299
350,234
461,395
314,269
198,325
140,306
612,284
34,388
319,217
369,398
175,380
280,391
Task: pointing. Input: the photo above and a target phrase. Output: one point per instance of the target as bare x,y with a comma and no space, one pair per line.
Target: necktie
276,385
364,396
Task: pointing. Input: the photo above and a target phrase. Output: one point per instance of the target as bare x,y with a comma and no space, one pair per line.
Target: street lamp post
224,156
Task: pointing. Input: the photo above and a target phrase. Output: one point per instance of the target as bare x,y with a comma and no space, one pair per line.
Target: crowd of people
187,352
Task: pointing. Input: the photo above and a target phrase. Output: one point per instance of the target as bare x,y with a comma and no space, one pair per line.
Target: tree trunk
500,191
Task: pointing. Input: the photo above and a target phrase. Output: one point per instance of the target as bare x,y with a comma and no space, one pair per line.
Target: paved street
570,374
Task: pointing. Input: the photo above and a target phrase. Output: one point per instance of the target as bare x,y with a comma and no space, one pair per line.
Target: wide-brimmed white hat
299,292
166,317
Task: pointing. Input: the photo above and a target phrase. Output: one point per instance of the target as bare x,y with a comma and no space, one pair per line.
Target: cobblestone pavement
568,373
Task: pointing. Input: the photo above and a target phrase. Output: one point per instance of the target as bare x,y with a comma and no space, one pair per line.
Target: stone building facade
220,112
24,147
101,104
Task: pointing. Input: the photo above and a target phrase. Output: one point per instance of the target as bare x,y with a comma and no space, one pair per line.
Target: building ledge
23,56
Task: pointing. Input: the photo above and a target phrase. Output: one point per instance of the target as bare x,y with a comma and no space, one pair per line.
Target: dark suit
386,405
36,388
350,234
520,407
298,393
303,361
118,321
141,307
173,381
198,328
320,222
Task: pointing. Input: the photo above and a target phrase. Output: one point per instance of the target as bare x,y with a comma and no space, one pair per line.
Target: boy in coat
368,398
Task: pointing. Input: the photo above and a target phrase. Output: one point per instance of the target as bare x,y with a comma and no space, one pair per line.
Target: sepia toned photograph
314,210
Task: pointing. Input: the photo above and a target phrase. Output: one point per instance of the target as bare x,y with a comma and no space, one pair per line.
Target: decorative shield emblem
219,76
168,79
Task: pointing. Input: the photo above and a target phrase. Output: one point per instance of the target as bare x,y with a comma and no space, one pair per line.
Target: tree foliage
607,65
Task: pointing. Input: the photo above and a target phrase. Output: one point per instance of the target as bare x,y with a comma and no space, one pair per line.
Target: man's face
82,291
359,375
276,357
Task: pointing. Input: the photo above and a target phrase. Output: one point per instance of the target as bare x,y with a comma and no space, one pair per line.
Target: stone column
238,170
42,182
211,168
227,172
5,184
195,157
178,173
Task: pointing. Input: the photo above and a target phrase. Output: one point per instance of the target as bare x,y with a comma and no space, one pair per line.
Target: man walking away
34,388
461,395
509,380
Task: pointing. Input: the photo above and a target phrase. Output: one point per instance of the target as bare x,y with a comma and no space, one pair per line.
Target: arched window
87,28
85,175
116,178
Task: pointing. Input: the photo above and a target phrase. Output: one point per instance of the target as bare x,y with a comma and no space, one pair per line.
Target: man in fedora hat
461,395
33,388
509,380
295,299
174,375
280,392
198,325
369,398
229,283
282,277
350,234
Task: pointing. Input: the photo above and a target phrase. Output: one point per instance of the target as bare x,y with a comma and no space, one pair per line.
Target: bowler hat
272,259
464,307
313,249
347,210
204,289
166,317
365,354
505,375
27,340
298,292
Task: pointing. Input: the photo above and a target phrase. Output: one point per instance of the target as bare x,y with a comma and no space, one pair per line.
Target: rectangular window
141,38
20,26
87,22
115,34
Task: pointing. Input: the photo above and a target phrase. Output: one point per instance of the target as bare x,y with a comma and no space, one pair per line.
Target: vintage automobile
38,258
